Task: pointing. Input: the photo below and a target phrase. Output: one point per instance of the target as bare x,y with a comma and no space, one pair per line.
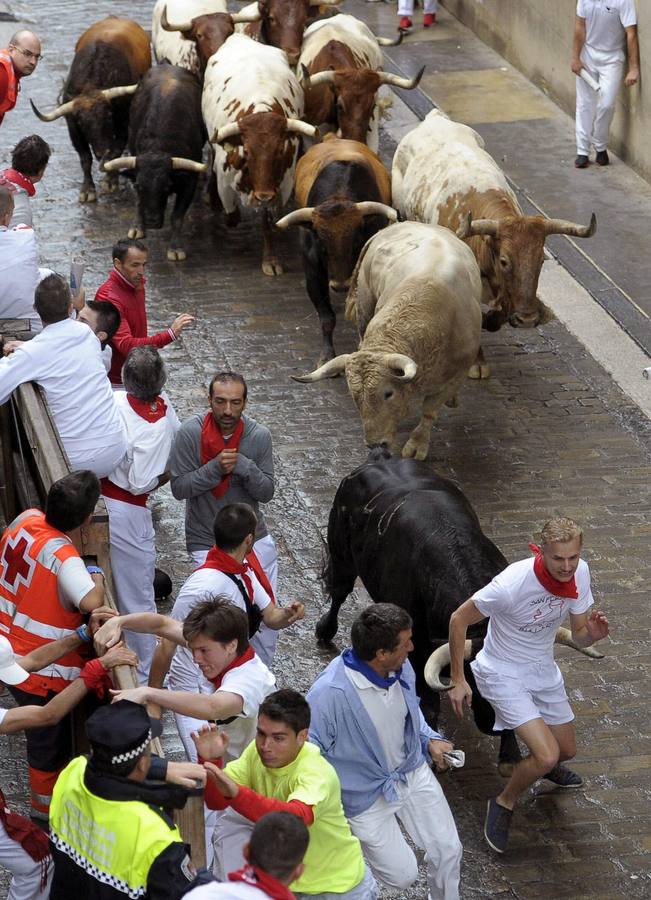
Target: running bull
110,57
344,195
442,175
413,539
166,138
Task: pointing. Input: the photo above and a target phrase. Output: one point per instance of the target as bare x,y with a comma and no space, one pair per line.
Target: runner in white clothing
603,28
274,856
515,670
65,361
233,571
150,424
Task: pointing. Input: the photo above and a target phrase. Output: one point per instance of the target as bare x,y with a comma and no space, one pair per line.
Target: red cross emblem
16,564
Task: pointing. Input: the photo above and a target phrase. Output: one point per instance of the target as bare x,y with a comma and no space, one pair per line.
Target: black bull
414,540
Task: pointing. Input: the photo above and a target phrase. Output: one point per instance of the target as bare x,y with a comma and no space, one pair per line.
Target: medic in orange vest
45,590
18,60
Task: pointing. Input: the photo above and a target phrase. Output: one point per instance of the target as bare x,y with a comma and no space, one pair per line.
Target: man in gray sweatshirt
221,457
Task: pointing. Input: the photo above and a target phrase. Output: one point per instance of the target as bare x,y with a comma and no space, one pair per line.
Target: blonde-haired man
515,669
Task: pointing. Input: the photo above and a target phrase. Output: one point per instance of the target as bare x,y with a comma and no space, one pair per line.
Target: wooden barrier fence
33,458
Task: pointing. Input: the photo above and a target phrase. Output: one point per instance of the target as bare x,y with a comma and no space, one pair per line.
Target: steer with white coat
415,296
442,175
252,105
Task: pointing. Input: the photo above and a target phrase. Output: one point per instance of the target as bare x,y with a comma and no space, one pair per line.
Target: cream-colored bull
415,297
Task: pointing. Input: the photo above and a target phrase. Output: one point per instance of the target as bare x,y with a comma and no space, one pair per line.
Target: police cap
119,732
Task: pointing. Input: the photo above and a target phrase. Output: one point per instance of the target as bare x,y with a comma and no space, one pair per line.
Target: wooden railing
33,458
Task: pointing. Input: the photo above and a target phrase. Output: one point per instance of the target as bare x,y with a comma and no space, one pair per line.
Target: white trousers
594,111
26,883
264,642
406,7
427,818
133,560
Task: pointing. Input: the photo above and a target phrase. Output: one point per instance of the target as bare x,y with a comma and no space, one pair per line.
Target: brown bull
282,23
110,57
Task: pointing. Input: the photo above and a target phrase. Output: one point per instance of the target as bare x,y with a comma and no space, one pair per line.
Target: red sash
262,880
223,562
33,841
212,444
565,589
248,654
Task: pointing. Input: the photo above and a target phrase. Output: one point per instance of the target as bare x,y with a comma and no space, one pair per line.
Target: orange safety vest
13,84
31,614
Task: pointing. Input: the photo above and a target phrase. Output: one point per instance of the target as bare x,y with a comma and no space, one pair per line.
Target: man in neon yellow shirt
282,772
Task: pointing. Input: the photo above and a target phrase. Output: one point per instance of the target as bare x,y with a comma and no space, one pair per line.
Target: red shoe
405,24
429,19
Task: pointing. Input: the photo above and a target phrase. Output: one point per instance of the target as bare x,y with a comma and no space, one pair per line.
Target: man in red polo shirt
125,289
19,59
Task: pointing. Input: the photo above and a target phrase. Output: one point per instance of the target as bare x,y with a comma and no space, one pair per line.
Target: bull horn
310,81
406,84
371,208
438,661
403,363
299,127
225,133
122,91
295,218
165,25
241,17
561,226
390,42
564,637
122,162
62,110
479,226
188,165
328,370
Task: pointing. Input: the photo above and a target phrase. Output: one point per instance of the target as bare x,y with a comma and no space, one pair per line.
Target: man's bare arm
633,49
467,614
144,623
577,44
220,705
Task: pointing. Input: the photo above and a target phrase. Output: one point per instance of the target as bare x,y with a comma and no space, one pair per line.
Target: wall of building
536,37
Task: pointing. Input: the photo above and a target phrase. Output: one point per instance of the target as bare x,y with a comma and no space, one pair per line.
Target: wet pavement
549,433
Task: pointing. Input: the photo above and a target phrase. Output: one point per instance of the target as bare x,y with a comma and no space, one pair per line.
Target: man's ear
298,871
302,735
102,337
245,851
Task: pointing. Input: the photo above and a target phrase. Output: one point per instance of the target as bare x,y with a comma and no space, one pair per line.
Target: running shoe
429,19
563,777
405,24
496,826
581,162
602,158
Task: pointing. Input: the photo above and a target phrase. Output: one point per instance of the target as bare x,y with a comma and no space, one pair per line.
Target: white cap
10,671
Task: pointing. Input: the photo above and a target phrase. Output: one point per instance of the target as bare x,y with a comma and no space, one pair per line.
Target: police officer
110,833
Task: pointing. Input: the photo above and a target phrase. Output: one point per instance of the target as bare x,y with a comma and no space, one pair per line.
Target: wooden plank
42,438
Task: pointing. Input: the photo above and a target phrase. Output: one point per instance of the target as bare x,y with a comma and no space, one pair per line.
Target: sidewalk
533,140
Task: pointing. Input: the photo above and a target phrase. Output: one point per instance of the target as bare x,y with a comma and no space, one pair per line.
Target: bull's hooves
478,372
87,197
135,233
412,450
272,267
505,769
176,255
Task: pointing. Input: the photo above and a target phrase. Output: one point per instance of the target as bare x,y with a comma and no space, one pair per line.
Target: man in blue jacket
367,721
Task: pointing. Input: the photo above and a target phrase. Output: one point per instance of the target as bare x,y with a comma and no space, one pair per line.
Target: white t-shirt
229,890
387,710
185,675
3,713
605,21
148,447
524,616
65,360
251,681
73,582
19,275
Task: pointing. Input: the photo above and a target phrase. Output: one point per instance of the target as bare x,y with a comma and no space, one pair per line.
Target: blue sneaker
563,777
496,826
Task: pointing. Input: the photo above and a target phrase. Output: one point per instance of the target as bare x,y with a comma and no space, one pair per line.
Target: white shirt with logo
524,616
605,21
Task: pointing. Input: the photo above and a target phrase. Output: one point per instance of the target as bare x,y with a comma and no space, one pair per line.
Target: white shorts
535,693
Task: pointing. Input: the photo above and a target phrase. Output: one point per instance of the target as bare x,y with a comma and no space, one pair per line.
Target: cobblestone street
549,433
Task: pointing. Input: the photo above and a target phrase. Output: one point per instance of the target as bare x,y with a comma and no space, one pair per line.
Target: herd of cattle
417,250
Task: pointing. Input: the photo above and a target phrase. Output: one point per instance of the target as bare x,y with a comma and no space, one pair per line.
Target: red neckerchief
224,562
150,411
248,654
212,444
263,880
16,177
565,589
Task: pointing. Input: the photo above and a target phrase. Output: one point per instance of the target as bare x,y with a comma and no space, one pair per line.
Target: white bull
415,297
252,104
